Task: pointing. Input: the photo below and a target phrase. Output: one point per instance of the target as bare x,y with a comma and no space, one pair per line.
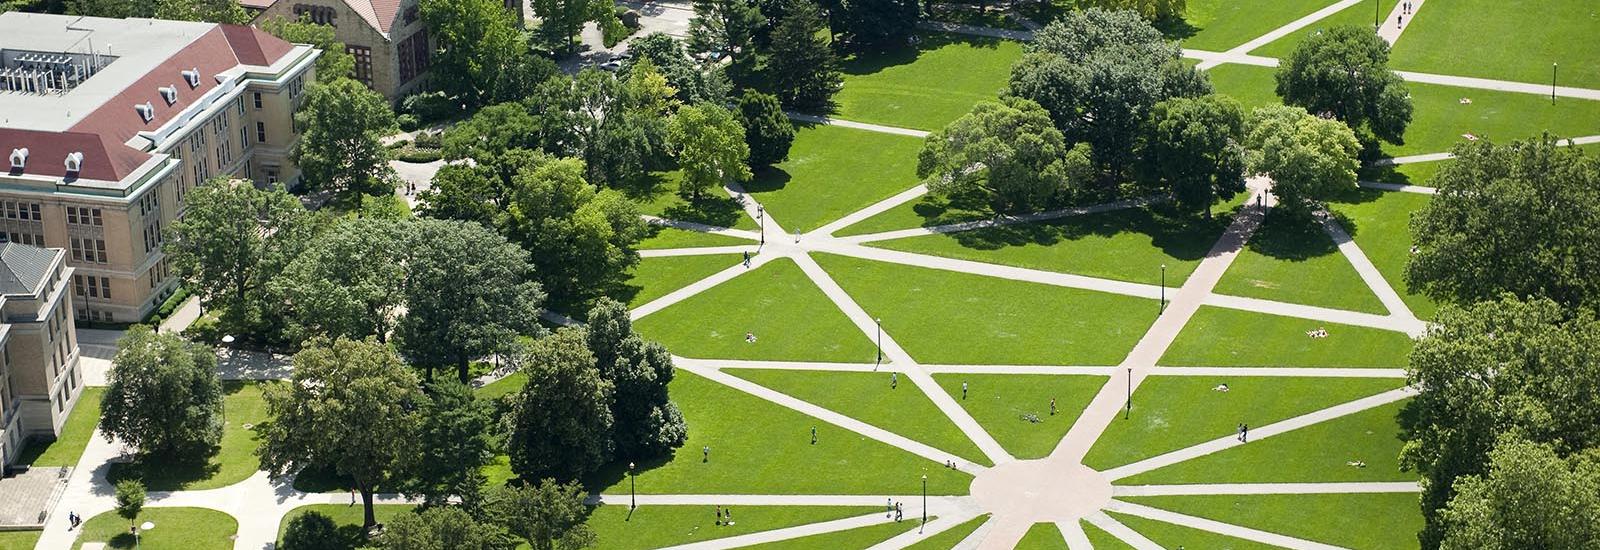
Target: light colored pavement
1110,525
186,314
1340,316
417,174
1398,21
1316,372
814,119
997,222
992,270
700,251
870,211
1217,527
1256,434
1285,30
1399,187
703,228
1369,273
886,367
1267,489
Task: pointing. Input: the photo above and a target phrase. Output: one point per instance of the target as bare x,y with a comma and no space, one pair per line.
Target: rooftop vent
19,158
74,162
146,111
192,76
170,94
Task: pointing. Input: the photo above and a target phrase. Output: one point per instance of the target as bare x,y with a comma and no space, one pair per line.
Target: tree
601,119
646,423
1527,368
548,515
560,20
346,282
441,527
164,397
1193,148
802,67
690,82
333,63
350,405
1151,10
767,129
465,192
492,137
561,420
726,26
582,239
231,240
342,125
483,57
710,146
313,530
1309,158
878,24
211,11
454,444
1512,218
1530,498
130,499
1098,73
1343,72
1009,151
450,323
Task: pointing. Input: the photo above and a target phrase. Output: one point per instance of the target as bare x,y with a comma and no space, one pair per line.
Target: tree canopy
547,514
877,24
802,68
231,241
1194,149
1530,498
1343,72
1518,217
767,129
442,527
710,147
342,125
1009,151
646,424
454,443
482,56
561,420
582,239
344,284
1309,158
164,397
334,62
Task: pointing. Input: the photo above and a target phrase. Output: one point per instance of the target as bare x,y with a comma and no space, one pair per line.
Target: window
256,98
105,287
77,284
238,105
36,215
261,132
83,215
413,55
363,57
244,137
100,251
321,15
72,214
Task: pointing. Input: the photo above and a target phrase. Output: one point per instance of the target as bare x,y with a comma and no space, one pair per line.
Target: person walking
894,380
1244,433
1052,406
963,391
888,509
705,454
813,435
719,514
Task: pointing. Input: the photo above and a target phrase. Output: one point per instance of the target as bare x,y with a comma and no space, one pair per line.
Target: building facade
39,376
109,123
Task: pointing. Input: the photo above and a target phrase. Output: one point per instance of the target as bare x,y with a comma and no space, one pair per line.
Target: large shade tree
351,406
802,67
1531,497
561,419
340,150
483,57
1194,149
1343,72
232,240
164,396
710,146
346,282
646,424
582,239
1517,217
1007,150
547,514
454,443
1310,159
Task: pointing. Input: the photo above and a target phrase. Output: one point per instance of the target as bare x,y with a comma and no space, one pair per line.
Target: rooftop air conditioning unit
74,161
19,158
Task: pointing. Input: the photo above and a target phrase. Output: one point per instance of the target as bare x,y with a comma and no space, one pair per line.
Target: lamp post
761,216
138,531
633,499
1377,18
1129,406
1552,83
924,502
1163,288
878,321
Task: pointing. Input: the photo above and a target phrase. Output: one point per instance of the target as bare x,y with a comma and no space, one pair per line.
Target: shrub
429,107
313,531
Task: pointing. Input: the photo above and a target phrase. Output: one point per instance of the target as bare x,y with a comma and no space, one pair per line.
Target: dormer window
146,111
19,158
170,94
74,162
192,76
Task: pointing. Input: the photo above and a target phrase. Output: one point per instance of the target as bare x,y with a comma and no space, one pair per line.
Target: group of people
724,515
1319,333
1244,433
73,520
894,509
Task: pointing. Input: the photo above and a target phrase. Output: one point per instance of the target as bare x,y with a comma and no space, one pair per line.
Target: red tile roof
252,46
47,154
257,4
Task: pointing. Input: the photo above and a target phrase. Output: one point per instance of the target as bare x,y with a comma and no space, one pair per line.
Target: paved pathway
858,125
1285,30
1370,275
996,222
1398,21
1403,188
1267,489
1218,527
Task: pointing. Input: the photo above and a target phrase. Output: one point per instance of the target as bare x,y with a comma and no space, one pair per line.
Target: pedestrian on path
727,515
1238,432
1244,433
899,511
719,514
352,496
963,391
888,509
894,380
747,258
813,435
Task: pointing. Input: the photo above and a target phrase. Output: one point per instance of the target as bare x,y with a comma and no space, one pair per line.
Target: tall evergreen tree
802,67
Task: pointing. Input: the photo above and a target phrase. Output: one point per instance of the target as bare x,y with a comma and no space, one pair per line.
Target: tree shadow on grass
711,208
1180,236
610,475
769,179
166,473
1291,237
872,61
1387,174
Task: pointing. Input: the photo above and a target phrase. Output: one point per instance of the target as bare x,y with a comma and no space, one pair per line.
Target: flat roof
139,45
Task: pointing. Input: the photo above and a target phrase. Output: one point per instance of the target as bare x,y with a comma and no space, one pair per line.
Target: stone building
39,376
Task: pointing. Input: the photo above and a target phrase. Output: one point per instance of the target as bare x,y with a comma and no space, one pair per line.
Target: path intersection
1009,496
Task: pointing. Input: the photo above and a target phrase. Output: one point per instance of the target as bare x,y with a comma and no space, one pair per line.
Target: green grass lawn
175,529
1380,223
1099,539
234,460
1127,245
661,237
1174,412
1357,521
999,401
1177,536
1042,536
833,171
1360,15
860,537
956,318
929,210
790,317
657,195
348,518
928,86
1505,39
1220,25
1253,86
656,277
19,540
1293,260
761,448
1220,337
664,526
950,537
75,433
1439,118
1411,173
868,397
1318,453
512,383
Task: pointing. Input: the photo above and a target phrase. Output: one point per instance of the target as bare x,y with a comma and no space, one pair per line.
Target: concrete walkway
1268,489
1399,187
1398,21
1285,30
815,119
1218,527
